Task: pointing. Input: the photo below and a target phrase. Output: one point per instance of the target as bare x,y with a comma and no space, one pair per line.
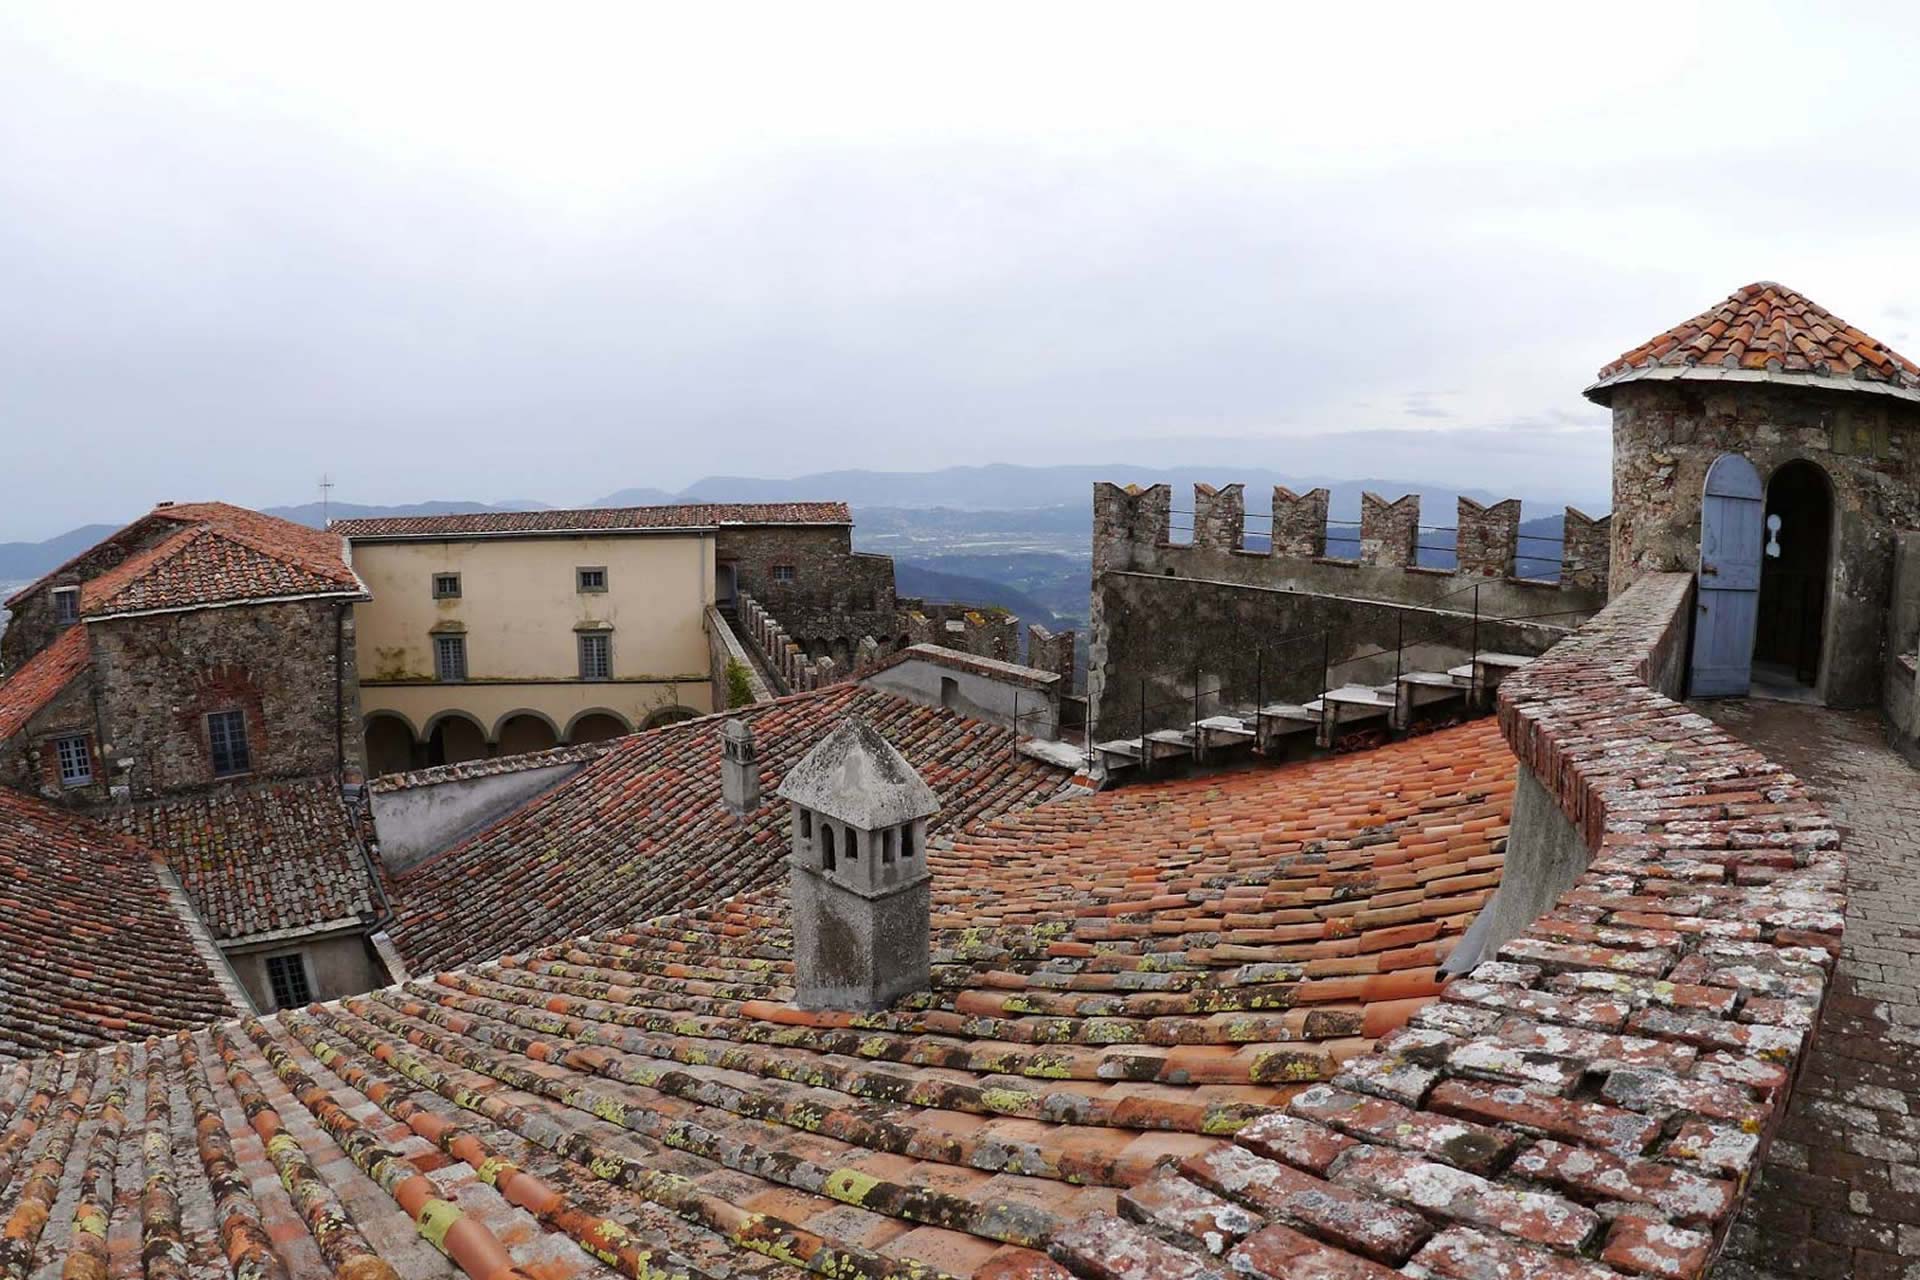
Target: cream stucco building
500,632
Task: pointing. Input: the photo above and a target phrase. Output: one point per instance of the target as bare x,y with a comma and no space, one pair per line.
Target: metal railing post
1399,643
1476,624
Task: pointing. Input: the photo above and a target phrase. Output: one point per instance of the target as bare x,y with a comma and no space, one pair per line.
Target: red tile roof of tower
40,679
222,555
218,554
1767,328
697,515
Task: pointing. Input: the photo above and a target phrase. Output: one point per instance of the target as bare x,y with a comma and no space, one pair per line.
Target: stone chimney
861,906
739,769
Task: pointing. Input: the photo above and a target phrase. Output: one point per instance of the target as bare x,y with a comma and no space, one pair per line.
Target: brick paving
1839,1194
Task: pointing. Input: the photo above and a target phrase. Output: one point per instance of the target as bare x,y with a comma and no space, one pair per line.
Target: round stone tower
1829,417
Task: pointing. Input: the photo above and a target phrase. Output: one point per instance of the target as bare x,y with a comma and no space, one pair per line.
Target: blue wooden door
1731,539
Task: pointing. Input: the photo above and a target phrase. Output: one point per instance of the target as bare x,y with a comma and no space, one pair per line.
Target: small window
949,692
853,845
592,578
446,586
596,655
76,760
826,846
450,657
66,604
227,740
806,824
287,975
783,573
887,847
906,841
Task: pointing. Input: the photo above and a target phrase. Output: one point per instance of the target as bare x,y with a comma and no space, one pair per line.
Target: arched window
826,846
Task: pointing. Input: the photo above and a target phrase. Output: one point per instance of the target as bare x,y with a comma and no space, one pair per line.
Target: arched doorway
596,726
389,743
519,732
1793,576
454,737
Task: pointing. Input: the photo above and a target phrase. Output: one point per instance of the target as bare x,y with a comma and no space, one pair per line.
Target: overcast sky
550,251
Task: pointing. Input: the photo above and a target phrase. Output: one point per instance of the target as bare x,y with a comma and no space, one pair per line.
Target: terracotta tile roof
1767,327
221,554
40,678
698,515
642,830
650,1095
92,946
261,857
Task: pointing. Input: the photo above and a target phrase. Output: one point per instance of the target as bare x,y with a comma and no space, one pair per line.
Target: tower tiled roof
40,679
1767,329
93,947
259,858
692,515
221,554
642,830
215,553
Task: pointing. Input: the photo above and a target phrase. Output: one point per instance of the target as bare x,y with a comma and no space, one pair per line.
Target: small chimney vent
739,769
862,908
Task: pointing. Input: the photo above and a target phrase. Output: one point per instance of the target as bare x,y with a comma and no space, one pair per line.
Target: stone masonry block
1388,530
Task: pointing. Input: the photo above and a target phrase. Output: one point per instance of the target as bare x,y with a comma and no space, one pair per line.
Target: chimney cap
855,776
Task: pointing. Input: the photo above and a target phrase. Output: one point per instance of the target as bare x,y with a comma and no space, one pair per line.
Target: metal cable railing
1327,665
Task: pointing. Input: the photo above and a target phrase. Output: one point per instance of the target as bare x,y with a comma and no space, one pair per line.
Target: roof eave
460,535
1601,392
344,593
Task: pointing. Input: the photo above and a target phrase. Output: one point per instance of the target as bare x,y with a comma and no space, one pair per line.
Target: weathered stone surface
1467,1198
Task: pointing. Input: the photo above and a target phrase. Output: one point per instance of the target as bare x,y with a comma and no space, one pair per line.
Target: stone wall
1701,936
1179,634
1900,691
1667,434
792,669
836,595
1049,652
30,622
724,648
1131,528
1389,531
159,676
29,761
982,631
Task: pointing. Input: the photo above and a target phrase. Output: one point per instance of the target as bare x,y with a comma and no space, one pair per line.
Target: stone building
495,633
189,681
1829,418
1253,607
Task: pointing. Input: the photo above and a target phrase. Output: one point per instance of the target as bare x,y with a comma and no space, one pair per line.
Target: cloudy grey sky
550,251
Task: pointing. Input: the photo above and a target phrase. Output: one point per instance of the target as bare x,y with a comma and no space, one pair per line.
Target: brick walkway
1840,1192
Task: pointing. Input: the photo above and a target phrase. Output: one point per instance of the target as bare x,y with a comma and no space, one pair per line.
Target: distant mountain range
1004,486
924,517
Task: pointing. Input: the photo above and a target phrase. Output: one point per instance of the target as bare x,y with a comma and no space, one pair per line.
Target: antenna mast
326,491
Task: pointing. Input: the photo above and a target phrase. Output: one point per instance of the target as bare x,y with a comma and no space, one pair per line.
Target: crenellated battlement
1136,528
